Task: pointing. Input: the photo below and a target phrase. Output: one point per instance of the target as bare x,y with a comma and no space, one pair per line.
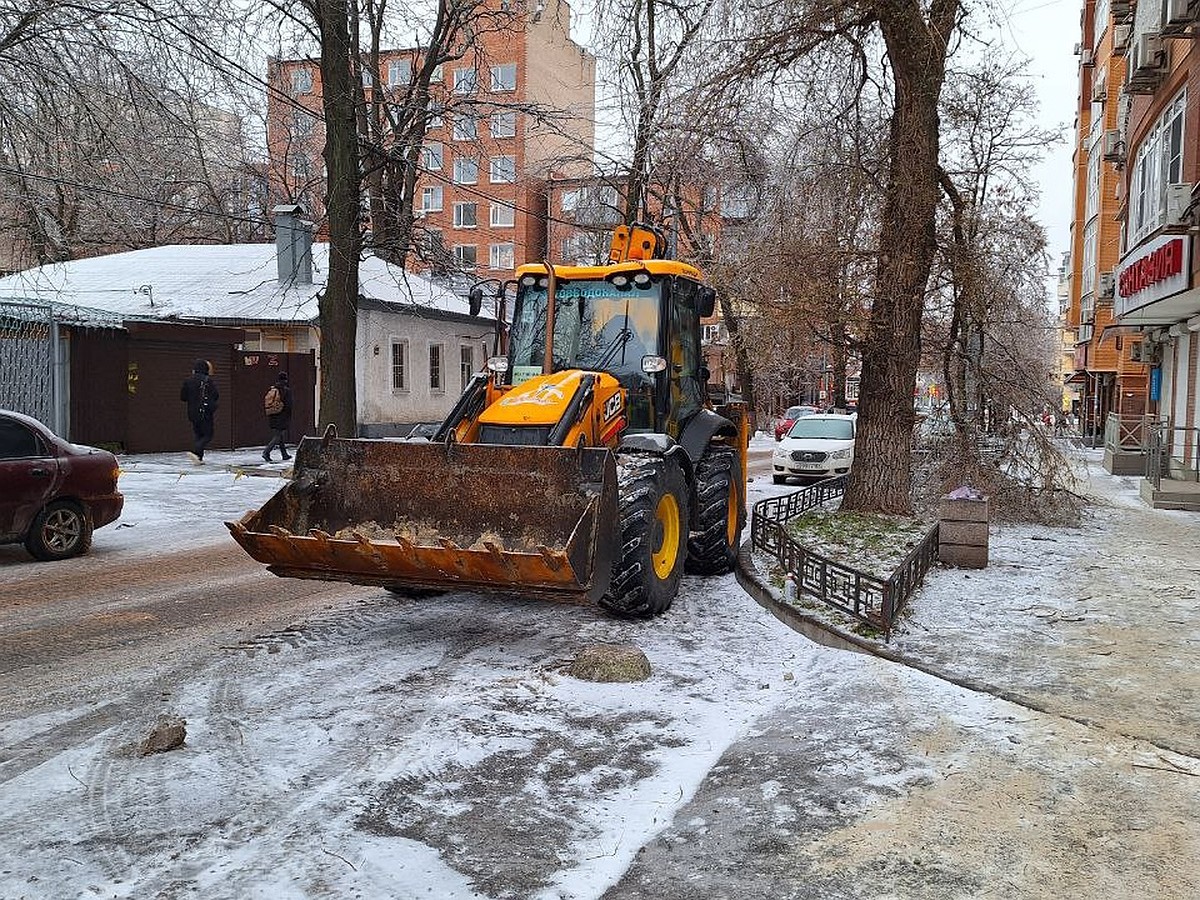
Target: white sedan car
816,447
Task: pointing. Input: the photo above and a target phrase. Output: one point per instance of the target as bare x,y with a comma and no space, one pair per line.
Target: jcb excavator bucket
529,520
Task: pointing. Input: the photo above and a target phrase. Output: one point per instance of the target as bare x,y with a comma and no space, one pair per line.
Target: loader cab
626,321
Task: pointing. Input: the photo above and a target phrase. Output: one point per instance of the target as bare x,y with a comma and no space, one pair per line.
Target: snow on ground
1097,621
388,748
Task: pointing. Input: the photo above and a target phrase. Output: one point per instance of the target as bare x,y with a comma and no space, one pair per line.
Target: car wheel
60,530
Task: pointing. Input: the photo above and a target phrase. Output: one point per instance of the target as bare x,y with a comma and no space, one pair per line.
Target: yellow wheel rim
666,527
731,522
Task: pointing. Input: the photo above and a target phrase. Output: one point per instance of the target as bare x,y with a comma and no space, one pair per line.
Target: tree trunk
745,373
339,302
880,480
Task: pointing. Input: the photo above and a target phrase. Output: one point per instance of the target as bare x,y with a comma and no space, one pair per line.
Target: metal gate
28,339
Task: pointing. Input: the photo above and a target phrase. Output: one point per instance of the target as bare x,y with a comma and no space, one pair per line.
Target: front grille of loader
515,435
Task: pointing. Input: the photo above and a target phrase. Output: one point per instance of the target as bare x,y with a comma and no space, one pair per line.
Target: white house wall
383,409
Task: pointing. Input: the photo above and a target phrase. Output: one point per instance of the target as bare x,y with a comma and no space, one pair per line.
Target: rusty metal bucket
529,520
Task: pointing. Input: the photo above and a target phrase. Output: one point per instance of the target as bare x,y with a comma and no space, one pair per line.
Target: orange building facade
1147,55
521,103
1108,375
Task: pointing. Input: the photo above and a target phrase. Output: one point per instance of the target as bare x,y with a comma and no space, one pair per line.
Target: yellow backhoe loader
587,463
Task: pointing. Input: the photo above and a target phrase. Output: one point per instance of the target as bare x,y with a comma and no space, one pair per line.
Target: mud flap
526,520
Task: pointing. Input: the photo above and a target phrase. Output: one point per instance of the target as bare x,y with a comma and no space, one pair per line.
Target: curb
821,632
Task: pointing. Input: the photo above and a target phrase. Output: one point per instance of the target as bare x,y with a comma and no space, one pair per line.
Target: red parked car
52,493
784,425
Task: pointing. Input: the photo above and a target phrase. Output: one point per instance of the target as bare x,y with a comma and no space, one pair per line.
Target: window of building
503,216
300,166
465,215
466,255
435,120
399,72
432,156
465,128
435,368
253,340
466,364
1158,162
503,169
1088,283
466,171
1100,20
437,76
504,78
1092,203
609,197
431,198
302,124
399,365
464,81
501,256
504,124
572,198
368,77
302,80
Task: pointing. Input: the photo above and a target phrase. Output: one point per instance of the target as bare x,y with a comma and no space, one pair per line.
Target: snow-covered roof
213,282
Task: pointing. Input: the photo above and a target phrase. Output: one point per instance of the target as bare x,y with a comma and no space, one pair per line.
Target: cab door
27,476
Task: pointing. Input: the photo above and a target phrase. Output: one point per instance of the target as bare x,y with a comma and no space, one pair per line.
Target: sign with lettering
1155,270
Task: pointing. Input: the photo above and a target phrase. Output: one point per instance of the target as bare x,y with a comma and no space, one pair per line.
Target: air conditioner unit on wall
1099,91
1149,55
1144,352
1121,39
1179,204
1104,288
1178,14
1087,58
1114,145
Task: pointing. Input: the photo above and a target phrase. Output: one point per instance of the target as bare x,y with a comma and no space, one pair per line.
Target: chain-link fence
27,349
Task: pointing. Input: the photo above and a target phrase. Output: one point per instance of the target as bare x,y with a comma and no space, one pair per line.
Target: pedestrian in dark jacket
200,393
280,420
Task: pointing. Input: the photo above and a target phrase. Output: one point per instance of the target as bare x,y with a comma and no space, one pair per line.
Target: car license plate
812,465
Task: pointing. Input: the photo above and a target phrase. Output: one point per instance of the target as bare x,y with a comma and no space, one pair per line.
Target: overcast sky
1046,31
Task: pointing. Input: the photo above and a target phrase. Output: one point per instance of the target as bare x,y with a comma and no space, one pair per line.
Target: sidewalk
246,461
911,786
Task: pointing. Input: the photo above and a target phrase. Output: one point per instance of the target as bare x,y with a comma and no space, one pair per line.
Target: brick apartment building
1137,282
486,160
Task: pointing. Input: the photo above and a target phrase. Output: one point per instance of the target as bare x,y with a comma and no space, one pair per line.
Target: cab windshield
597,326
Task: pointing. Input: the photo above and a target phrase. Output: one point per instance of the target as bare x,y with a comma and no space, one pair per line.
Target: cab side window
18,442
684,359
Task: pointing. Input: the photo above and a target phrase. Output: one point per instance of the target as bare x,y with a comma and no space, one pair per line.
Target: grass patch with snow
874,544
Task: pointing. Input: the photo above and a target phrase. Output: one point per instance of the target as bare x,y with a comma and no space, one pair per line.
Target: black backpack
206,405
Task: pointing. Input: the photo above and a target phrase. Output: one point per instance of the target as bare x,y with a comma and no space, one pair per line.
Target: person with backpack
200,393
277,404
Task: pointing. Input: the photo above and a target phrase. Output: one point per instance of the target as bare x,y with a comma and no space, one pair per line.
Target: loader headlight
642,279
620,282
497,364
652,364
528,281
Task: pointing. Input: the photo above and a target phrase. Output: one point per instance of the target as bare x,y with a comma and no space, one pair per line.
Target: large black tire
719,514
62,529
779,479
650,564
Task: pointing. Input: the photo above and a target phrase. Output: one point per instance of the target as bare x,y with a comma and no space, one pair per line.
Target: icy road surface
364,746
